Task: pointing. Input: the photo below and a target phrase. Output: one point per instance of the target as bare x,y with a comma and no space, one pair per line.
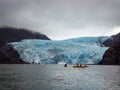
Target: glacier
82,50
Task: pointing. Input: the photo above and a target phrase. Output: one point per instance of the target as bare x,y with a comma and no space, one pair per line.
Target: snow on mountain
83,50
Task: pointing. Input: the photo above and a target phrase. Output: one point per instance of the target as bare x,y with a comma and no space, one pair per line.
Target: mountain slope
8,34
111,40
8,55
112,55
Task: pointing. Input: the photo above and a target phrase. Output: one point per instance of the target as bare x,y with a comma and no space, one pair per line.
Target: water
57,77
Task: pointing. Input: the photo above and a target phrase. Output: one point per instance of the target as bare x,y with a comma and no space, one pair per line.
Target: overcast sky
62,19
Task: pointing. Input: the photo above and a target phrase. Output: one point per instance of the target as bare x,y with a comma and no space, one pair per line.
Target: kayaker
80,65
77,65
65,65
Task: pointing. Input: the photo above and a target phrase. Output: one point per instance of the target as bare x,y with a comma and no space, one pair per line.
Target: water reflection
57,77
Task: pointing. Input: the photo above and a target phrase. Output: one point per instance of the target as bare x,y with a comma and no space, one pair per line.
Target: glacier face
83,50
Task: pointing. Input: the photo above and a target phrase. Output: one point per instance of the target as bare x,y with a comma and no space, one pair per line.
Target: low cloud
61,19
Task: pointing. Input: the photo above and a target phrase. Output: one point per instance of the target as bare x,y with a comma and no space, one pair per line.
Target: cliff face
8,55
112,55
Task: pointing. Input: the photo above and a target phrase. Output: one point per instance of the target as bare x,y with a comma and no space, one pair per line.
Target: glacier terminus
82,50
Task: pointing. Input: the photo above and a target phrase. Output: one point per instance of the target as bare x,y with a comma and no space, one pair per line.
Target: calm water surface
57,77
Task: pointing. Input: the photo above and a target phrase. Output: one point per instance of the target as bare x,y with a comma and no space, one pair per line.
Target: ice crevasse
83,50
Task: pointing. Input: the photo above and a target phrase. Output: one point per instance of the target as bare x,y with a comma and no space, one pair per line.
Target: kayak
80,66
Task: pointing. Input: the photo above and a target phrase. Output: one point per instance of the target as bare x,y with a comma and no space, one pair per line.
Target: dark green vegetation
9,34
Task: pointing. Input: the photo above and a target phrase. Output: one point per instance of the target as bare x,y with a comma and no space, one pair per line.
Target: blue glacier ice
83,50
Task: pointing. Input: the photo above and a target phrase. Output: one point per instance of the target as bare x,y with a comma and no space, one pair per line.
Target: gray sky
62,19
